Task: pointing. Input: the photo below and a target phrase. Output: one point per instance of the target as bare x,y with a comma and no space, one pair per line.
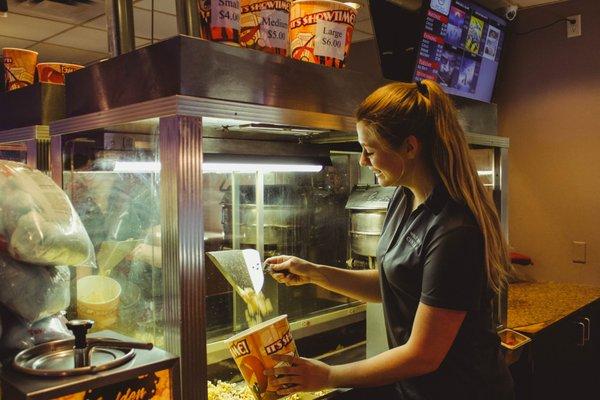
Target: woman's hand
303,375
293,271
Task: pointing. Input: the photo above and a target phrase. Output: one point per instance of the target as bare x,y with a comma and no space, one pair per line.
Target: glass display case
213,148
29,145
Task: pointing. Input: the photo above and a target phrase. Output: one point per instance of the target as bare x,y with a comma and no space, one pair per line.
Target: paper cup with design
19,67
54,72
321,31
252,350
265,24
98,299
220,20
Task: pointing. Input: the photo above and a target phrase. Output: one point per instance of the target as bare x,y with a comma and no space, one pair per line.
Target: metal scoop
242,268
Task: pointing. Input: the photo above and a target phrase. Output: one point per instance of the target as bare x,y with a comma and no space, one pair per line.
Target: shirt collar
437,199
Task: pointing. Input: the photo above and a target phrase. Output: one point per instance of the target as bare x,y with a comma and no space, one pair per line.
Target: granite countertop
532,306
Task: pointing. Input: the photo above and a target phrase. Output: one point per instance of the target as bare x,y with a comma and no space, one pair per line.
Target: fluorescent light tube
216,167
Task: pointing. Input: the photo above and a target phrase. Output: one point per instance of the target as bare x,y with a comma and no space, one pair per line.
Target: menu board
460,48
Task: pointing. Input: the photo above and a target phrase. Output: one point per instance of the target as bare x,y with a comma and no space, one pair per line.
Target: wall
548,97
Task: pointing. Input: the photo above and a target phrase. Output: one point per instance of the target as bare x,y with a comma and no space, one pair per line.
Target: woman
441,257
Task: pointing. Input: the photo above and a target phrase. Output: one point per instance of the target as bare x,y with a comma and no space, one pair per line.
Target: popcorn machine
212,148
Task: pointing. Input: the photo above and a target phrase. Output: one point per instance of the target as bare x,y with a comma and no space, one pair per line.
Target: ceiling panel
50,52
14,42
166,6
164,25
363,13
74,13
83,38
99,23
30,28
364,26
358,36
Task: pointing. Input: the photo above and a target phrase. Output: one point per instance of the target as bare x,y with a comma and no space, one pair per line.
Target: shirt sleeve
454,270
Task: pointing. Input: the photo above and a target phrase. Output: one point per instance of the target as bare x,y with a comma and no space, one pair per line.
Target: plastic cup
264,25
252,350
321,31
19,67
98,300
54,72
220,21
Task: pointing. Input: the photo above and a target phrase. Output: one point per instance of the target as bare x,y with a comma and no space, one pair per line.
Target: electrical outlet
574,26
578,250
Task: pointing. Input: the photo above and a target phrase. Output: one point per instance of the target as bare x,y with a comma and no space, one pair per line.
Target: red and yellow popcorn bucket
265,25
220,20
252,350
55,72
321,31
19,67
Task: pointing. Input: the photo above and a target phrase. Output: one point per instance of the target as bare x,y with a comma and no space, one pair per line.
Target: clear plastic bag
15,335
50,328
38,223
33,292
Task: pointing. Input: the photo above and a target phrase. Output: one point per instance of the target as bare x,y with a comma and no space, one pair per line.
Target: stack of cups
19,67
317,31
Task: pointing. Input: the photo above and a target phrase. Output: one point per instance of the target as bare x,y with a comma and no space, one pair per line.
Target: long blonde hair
397,110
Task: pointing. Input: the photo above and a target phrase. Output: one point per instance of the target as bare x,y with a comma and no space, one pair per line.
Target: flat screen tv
456,43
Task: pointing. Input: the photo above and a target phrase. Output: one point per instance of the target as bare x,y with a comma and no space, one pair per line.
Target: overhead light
485,173
217,167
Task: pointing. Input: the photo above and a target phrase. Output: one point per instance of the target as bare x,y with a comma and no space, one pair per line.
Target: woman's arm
357,284
433,333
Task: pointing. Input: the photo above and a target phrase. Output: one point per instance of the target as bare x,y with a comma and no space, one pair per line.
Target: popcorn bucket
321,31
19,67
98,299
55,72
264,25
252,350
220,20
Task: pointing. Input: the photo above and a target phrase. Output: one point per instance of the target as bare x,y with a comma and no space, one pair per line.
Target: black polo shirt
435,255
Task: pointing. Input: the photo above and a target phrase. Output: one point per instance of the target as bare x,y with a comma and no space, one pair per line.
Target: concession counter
188,146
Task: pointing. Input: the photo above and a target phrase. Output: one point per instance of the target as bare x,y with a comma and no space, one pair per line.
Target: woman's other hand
292,271
302,375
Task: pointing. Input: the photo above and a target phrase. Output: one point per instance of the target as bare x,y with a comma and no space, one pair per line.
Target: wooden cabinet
563,360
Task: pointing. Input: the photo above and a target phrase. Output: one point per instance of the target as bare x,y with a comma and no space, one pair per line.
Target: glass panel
484,162
303,214
113,182
13,152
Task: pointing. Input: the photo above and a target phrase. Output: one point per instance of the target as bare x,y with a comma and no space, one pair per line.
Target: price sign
274,28
330,39
225,14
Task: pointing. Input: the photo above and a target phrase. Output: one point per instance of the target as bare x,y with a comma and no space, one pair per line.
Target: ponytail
398,110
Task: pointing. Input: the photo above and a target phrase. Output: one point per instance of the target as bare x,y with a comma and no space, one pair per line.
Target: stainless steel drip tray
56,358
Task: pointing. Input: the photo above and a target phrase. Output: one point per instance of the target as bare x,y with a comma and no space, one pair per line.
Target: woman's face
388,165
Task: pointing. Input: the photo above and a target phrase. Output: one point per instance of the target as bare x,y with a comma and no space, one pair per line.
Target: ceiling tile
99,23
166,6
23,27
164,25
358,36
364,26
75,12
363,13
83,38
50,52
13,42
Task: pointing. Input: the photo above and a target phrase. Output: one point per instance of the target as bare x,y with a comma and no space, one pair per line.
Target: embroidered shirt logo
413,240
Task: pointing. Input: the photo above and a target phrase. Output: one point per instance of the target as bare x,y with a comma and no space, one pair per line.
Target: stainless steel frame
37,141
